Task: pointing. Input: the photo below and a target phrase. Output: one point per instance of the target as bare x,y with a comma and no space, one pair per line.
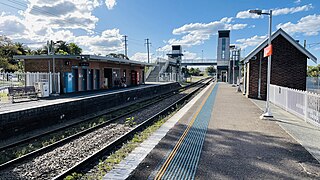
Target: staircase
153,73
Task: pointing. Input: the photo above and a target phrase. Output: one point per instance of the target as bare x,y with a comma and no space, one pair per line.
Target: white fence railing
170,77
301,103
29,79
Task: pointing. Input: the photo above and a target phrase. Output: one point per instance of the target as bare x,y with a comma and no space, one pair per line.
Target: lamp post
267,113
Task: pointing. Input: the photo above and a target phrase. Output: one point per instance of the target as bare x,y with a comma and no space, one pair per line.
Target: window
223,48
223,44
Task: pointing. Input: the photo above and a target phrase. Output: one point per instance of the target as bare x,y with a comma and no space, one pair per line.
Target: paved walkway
241,146
238,145
305,133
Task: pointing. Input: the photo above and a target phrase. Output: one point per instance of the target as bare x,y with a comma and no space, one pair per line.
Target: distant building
87,72
223,55
234,66
176,55
288,66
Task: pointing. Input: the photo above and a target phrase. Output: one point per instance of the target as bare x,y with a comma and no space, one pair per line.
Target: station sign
267,51
83,64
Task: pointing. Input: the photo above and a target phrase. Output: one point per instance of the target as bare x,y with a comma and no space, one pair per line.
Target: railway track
32,145
68,155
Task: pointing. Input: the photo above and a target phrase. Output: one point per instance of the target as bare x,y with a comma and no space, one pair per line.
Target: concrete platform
63,109
237,144
6,107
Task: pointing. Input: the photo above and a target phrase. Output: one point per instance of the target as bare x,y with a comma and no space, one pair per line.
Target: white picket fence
301,103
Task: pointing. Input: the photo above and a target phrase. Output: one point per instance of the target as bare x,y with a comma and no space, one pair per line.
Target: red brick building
288,65
87,72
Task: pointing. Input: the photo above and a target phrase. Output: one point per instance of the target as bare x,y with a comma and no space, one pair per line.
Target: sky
99,26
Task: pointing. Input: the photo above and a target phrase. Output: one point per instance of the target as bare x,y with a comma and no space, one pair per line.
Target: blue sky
98,26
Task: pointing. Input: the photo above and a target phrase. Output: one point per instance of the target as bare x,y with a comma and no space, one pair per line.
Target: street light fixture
256,11
267,113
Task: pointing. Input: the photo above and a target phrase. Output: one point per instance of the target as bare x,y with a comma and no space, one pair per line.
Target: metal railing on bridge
192,61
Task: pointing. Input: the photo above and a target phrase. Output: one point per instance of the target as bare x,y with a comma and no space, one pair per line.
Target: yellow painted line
174,151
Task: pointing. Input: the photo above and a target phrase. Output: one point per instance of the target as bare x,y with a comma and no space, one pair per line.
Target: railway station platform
219,135
10,107
68,108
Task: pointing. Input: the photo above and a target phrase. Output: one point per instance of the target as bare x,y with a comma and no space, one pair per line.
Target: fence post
305,106
50,82
287,89
58,84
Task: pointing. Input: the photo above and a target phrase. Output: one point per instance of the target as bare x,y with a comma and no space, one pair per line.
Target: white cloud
11,25
308,25
275,12
292,10
165,49
197,33
252,41
190,55
110,41
143,57
66,14
110,4
246,15
297,1
55,20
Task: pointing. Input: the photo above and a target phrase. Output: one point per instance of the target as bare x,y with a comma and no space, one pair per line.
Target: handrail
151,69
164,68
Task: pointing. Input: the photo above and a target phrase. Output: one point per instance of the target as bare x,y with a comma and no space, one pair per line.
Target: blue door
68,82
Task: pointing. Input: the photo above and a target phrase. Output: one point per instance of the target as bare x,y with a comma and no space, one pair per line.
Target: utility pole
148,44
125,45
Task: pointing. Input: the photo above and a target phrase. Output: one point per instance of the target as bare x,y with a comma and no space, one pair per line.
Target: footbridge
199,62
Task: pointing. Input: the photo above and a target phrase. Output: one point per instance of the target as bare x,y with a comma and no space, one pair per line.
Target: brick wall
42,65
288,68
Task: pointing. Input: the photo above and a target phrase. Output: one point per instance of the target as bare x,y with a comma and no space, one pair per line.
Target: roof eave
286,36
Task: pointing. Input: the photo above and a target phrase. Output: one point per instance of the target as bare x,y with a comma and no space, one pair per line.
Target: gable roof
288,38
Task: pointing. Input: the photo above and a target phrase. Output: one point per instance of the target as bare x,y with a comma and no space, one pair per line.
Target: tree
313,71
194,72
7,50
74,49
210,70
21,48
61,46
120,56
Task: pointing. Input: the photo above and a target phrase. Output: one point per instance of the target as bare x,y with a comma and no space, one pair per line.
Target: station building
288,65
87,72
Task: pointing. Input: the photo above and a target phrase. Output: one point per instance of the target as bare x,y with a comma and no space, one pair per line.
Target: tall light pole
267,113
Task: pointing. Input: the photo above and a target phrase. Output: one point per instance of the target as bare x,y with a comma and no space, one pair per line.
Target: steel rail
86,131
94,116
108,149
